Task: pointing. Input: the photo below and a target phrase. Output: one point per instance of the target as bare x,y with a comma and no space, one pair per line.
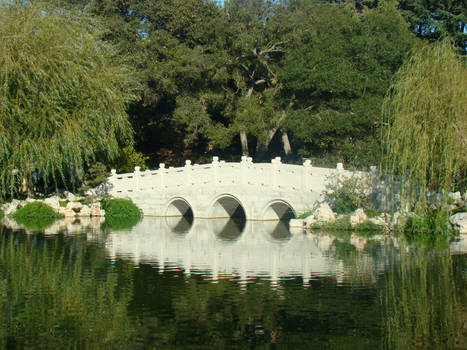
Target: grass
119,207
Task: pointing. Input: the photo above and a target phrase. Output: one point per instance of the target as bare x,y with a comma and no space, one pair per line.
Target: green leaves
63,93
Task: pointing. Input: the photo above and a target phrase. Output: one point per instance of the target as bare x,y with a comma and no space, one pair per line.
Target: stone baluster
215,168
136,177
340,167
113,178
244,169
187,170
306,175
276,163
161,174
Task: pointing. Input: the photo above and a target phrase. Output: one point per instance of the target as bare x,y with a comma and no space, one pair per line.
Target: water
168,283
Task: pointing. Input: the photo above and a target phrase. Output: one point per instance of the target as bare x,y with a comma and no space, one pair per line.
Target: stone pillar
276,163
340,167
306,175
215,168
136,177
187,169
161,175
244,169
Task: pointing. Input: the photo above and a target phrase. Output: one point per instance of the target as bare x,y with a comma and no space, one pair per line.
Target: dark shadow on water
36,225
120,223
180,224
228,229
279,230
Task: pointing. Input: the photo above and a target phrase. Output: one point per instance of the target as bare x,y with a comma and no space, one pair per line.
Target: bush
435,221
346,194
96,174
120,207
36,210
36,216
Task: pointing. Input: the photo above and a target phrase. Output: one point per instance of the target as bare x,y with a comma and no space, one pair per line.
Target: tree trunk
286,144
244,142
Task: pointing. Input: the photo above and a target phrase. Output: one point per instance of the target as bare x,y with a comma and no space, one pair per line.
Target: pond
170,283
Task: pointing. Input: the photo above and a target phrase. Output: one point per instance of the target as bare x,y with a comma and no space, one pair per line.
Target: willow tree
426,116
63,95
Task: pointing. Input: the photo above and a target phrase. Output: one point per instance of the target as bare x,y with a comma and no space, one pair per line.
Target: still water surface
224,284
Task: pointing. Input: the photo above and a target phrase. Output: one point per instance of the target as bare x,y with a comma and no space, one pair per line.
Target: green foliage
434,221
1,213
129,158
370,227
425,114
119,207
120,223
96,174
78,299
346,194
36,210
36,216
63,94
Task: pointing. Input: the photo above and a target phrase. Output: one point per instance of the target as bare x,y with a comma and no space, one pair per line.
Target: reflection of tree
60,297
423,298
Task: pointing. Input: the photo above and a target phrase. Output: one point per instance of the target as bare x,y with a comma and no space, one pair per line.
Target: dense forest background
262,78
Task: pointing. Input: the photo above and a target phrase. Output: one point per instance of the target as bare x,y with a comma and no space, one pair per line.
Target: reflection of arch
228,229
277,230
179,207
278,210
227,206
179,224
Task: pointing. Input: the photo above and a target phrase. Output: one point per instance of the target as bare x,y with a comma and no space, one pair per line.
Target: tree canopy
63,94
425,114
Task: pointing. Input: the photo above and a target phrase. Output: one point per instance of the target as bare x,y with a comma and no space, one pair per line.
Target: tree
63,95
339,70
425,114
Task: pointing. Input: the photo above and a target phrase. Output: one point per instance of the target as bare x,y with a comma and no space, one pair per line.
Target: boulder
9,208
358,217
323,214
459,222
297,223
96,210
378,221
84,211
53,202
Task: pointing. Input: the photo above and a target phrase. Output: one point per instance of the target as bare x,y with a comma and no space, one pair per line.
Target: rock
399,219
459,222
53,202
323,214
96,210
84,211
67,212
358,217
358,242
70,196
297,223
9,208
455,196
378,221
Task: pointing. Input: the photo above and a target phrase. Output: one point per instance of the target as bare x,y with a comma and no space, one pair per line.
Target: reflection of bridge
258,191
226,248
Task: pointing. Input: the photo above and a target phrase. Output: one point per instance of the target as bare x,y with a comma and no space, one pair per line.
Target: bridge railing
275,175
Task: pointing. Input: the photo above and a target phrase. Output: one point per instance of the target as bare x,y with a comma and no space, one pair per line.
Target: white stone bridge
257,191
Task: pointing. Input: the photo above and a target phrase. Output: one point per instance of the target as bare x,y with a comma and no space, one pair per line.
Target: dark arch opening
179,207
280,211
228,207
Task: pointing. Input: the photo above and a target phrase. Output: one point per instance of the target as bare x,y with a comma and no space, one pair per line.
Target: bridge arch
227,206
278,209
179,206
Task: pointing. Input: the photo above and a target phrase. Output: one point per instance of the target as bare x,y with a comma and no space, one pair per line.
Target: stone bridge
256,191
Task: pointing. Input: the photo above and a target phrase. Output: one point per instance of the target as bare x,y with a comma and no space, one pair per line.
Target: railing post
276,162
161,174
188,179
244,168
306,174
136,177
340,167
113,178
215,168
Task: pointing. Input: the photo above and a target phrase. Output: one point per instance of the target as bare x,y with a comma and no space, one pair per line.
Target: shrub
120,207
346,194
1,213
435,221
96,174
36,210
